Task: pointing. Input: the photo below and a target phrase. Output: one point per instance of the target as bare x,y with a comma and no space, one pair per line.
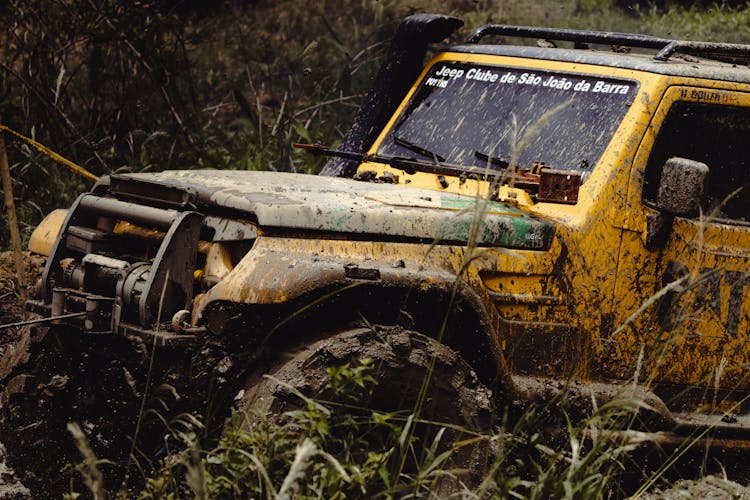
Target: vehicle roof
677,65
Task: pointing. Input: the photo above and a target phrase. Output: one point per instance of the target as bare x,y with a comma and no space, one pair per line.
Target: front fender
43,238
284,270
287,287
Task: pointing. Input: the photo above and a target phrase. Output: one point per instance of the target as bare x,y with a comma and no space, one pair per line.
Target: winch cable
42,320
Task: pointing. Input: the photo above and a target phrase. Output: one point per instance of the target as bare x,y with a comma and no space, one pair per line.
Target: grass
324,450
152,87
244,82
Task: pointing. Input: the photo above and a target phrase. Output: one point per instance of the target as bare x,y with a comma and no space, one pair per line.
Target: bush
325,450
167,84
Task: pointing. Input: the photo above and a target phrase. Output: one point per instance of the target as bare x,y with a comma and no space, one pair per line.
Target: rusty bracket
548,184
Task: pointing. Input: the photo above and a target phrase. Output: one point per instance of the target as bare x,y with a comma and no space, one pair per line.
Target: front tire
402,361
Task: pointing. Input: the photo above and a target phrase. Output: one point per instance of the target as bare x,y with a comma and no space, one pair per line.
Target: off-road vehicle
574,211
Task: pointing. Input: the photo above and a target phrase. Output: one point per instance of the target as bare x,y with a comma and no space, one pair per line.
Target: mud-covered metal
43,238
711,70
602,302
681,186
559,186
611,287
666,47
296,201
291,283
82,274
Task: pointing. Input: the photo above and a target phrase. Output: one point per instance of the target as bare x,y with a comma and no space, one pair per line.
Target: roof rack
727,52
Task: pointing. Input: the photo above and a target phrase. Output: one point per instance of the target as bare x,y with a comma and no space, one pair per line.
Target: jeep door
683,283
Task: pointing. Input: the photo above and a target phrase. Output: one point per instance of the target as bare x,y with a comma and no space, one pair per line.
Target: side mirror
680,191
681,187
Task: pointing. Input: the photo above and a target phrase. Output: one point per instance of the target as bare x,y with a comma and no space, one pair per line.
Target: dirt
50,376
708,488
42,385
14,345
11,303
46,382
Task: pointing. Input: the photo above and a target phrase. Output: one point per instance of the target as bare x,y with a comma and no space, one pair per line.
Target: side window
717,135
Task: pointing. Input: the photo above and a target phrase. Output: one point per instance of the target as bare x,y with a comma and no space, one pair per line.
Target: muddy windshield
476,115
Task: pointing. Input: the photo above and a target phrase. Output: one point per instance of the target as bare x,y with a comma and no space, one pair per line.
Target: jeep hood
330,204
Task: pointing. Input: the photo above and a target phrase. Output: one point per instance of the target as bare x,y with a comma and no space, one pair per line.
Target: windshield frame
557,69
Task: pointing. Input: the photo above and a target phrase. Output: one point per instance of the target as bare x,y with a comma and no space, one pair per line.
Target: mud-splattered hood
309,202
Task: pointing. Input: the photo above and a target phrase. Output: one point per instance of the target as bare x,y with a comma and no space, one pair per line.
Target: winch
150,280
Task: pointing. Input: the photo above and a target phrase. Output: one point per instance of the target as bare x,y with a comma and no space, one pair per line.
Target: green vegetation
324,450
154,86
172,85
342,449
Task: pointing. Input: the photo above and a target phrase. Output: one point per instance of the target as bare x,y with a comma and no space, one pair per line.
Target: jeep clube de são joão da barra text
530,217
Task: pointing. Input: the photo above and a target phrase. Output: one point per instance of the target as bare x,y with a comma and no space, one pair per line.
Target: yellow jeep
521,214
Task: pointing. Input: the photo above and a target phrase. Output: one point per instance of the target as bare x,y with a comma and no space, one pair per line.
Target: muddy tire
401,361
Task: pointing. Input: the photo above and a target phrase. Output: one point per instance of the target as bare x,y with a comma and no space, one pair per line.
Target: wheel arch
434,304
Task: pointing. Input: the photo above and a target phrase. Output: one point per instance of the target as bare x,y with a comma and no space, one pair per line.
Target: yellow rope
59,159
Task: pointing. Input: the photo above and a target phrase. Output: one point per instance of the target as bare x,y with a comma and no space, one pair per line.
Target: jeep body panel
292,283
588,288
553,310
314,203
599,311
698,328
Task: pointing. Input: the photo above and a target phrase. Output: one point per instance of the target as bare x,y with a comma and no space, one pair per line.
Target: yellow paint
127,228
280,269
701,337
573,284
45,233
572,305
606,272
218,261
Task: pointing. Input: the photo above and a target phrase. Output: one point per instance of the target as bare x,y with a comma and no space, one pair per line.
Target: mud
46,382
48,378
14,348
11,293
708,488
117,389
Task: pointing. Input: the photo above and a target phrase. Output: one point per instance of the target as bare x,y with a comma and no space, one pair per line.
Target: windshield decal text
476,115
446,74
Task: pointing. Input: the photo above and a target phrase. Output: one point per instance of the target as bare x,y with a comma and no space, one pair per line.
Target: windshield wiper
409,165
418,149
498,162
563,188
